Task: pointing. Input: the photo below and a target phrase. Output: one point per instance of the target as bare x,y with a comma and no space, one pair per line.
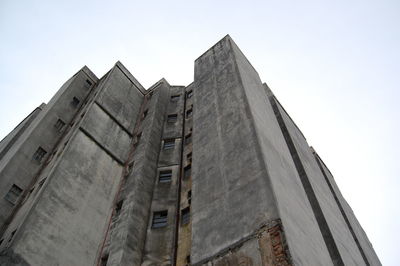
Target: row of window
170,143
160,218
166,175
172,118
175,98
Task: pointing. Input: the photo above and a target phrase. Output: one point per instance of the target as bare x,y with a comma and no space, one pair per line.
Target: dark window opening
188,259
144,114
189,197
189,113
165,176
12,235
188,138
169,144
1,241
175,98
41,182
189,94
75,102
13,194
59,125
172,118
187,171
39,154
160,219
185,216
189,157
88,83
104,260
118,207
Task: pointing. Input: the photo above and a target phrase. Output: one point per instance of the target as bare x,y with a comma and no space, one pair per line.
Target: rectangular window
188,139
75,102
118,207
39,154
189,113
187,171
88,84
189,157
185,216
175,98
189,197
165,176
59,125
169,144
160,219
13,194
172,118
189,94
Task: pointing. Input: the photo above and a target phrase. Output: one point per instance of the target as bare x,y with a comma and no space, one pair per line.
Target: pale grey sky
334,65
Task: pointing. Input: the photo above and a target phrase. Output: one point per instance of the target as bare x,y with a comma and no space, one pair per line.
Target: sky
334,66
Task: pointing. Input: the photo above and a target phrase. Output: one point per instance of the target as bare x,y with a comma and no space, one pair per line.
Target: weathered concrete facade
214,173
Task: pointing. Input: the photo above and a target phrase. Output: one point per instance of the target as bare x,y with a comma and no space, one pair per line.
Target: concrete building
214,173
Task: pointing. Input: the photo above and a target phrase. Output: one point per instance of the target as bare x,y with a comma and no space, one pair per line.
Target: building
214,173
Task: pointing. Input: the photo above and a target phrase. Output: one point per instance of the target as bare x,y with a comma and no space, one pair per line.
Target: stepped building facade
213,173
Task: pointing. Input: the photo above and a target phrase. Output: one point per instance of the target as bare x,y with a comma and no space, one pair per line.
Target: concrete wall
353,225
228,165
18,166
128,231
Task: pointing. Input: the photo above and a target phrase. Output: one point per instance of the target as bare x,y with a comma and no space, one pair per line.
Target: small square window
13,194
59,125
185,216
187,171
169,144
88,84
75,102
189,94
189,113
175,98
39,154
188,139
160,219
172,118
165,176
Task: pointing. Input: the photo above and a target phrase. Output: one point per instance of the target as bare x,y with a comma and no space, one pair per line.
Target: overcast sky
334,65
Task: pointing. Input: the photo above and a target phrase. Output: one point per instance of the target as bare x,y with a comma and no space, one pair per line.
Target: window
188,138
169,144
41,182
138,136
175,98
145,114
189,157
189,197
13,194
188,259
165,176
189,113
59,125
187,171
39,154
160,219
172,118
104,260
88,84
75,102
185,216
189,94
118,207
